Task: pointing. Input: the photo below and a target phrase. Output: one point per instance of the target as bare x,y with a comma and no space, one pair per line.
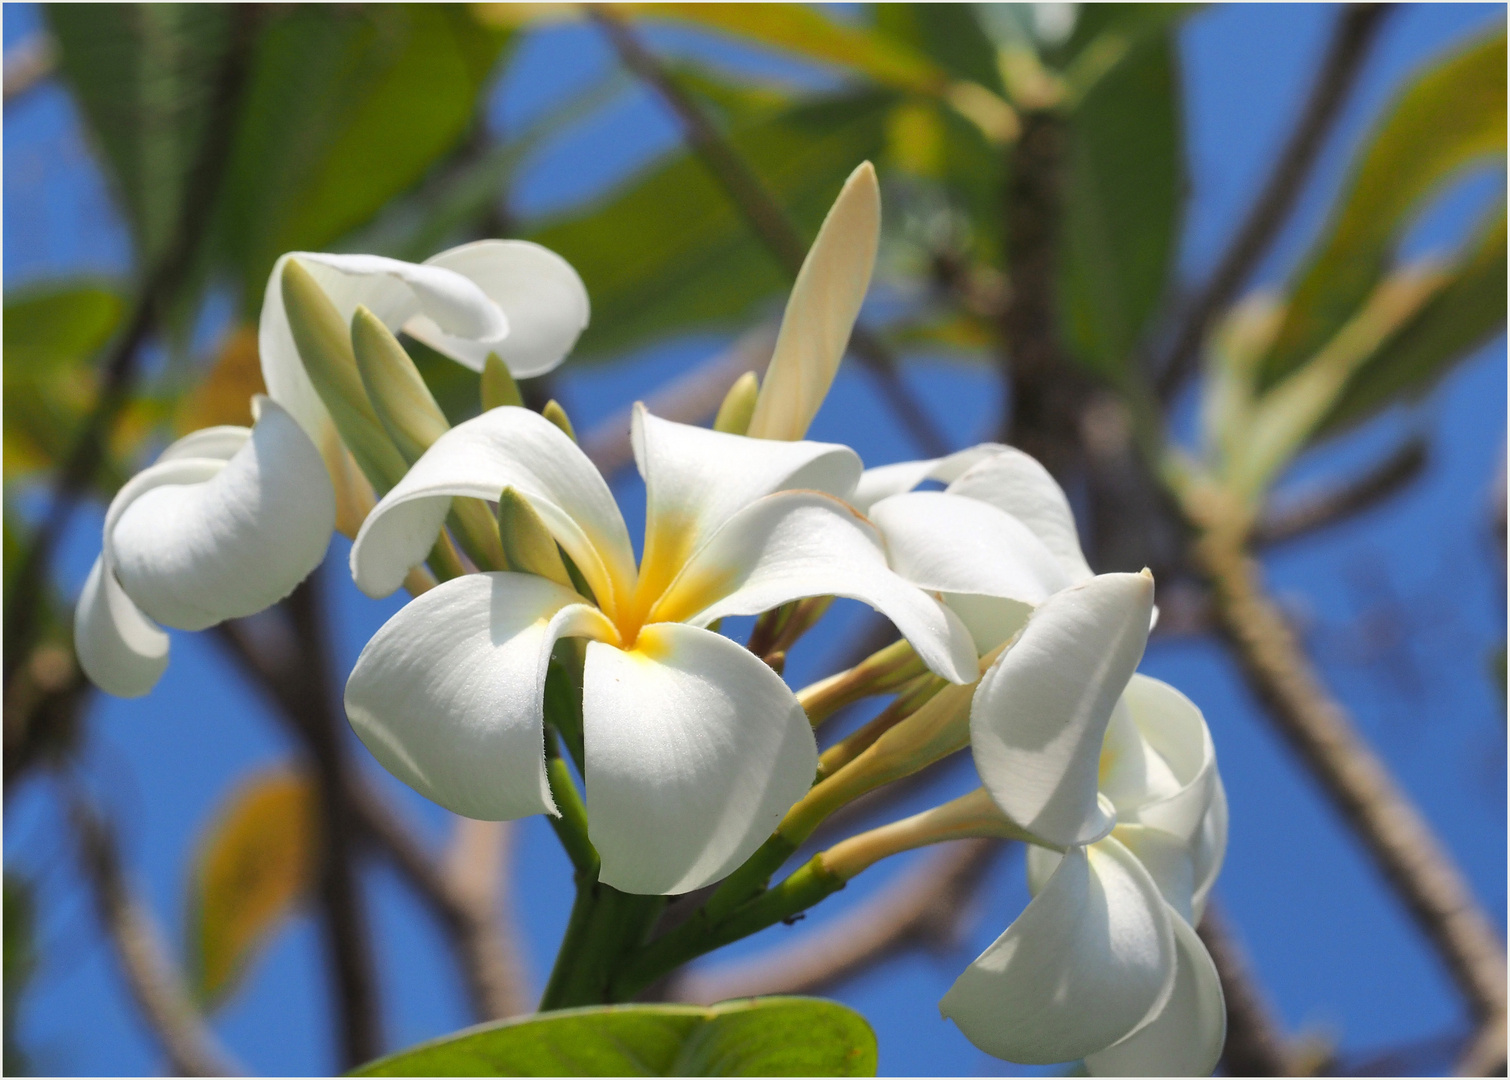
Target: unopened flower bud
557,415
738,405
395,387
498,385
527,544
324,344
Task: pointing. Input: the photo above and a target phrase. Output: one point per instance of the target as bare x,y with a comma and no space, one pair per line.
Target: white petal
945,543
448,695
1186,1037
122,651
219,443
194,542
1210,849
696,479
503,447
876,484
990,619
539,292
821,312
695,750
1180,784
1168,860
1016,483
1090,957
1039,716
802,543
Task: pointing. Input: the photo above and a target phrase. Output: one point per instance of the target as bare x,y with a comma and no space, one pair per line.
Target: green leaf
20,961
51,334
255,861
668,252
145,77
778,1036
347,107
1122,206
1467,311
950,34
1449,118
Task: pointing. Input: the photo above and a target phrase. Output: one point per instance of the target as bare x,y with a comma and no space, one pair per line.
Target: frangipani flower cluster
692,748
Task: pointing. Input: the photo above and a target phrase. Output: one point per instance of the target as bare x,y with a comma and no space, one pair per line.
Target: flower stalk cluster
542,668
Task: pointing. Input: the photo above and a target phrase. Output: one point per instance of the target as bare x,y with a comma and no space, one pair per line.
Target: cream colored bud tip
1146,572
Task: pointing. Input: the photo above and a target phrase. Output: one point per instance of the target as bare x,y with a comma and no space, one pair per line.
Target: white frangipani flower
1116,774
998,540
510,297
225,523
694,747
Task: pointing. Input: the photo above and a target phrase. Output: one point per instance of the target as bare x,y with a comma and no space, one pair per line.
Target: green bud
498,385
527,543
557,415
398,393
324,345
739,405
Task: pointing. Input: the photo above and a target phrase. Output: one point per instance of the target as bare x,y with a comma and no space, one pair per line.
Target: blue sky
1400,607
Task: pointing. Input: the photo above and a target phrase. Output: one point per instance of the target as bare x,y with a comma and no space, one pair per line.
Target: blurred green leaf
347,107
1122,206
20,960
950,34
753,1037
255,861
1465,313
668,252
145,77
1448,118
51,334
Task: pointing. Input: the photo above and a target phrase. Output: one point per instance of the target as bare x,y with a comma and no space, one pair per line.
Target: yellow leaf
225,395
255,862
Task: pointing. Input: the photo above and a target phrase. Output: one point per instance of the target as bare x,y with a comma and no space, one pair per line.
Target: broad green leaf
950,34
254,863
347,107
1125,170
51,334
753,1037
1464,314
146,77
668,252
1450,117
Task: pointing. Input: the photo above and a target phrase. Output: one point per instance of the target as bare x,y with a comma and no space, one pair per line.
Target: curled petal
697,479
1186,1037
1168,860
885,480
1210,849
1038,718
1017,484
802,543
945,543
1178,756
121,650
991,620
504,447
448,695
218,443
1086,962
541,295
194,542
695,750
821,311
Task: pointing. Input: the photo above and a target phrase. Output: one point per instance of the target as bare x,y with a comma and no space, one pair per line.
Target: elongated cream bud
498,385
527,543
324,344
395,387
969,815
738,406
557,415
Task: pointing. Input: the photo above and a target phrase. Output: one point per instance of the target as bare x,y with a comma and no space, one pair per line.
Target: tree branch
1303,516
765,216
1357,27
29,63
924,907
153,978
1256,1044
1399,840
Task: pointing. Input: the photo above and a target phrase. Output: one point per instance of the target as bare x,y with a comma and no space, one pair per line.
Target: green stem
571,826
605,926
701,934
753,875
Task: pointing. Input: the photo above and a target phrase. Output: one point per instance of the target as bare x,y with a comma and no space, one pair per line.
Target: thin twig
120,367
690,399
925,906
1256,1044
765,216
1357,27
1402,844
1304,515
192,1047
